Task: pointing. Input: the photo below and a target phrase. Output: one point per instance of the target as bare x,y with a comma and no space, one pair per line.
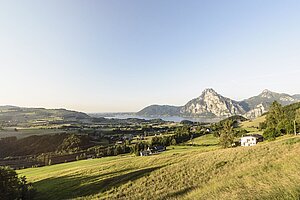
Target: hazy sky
122,55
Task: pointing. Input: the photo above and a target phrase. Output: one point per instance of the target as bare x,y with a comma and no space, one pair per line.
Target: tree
118,150
275,115
285,126
297,119
262,125
297,116
277,122
173,141
271,133
109,151
12,187
227,134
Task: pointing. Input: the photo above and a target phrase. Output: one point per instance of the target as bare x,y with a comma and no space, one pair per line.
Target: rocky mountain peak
212,103
266,91
209,91
267,94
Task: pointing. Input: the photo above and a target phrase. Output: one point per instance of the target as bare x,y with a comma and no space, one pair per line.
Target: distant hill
160,110
13,116
17,115
237,118
213,105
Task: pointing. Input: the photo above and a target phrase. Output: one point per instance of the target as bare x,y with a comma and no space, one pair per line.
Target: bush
12,187
271,133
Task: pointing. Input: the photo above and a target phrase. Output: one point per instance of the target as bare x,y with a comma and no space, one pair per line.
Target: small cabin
251,140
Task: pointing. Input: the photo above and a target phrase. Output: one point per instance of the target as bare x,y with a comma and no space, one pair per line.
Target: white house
251,140
144,153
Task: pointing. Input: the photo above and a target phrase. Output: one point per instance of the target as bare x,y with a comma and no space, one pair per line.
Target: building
156,149
152,150
145,153
251,140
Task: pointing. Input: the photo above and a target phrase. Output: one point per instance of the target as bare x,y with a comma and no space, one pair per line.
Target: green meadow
253,125
269,170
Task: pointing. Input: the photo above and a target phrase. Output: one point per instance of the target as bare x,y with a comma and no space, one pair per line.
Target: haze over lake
165,118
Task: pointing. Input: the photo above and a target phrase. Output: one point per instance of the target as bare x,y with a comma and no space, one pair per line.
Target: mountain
297,96
259,104
268,97
210,104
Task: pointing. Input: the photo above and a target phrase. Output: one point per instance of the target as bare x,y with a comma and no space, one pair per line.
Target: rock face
297,96
260,104
268,97
257,111
211,104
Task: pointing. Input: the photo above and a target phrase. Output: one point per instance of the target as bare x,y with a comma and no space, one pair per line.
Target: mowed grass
269,170
200,144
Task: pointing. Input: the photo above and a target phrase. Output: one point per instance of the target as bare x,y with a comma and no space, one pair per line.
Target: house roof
253,135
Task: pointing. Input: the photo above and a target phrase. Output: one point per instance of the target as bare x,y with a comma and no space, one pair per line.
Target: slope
266,171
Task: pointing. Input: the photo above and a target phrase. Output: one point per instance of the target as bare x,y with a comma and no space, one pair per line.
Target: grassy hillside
252,125
205,140
269,170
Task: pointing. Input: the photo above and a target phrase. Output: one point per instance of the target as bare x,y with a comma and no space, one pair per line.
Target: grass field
252,125
269,170
206,140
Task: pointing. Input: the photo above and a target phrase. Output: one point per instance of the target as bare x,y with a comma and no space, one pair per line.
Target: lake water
165,118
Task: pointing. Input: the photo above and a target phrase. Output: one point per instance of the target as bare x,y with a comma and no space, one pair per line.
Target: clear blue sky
122,55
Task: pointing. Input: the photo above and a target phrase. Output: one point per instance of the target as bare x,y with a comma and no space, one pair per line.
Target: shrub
13,187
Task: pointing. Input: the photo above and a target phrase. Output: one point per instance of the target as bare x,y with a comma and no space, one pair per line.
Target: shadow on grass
201,145
67,187
180,193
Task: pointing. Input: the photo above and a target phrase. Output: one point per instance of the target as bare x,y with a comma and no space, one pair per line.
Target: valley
71,155
149,100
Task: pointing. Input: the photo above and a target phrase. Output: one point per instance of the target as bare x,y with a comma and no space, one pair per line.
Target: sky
123,55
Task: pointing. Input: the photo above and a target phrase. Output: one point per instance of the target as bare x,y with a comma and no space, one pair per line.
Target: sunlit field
269,170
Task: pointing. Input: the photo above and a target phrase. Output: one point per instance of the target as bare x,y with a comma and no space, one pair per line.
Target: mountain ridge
214,105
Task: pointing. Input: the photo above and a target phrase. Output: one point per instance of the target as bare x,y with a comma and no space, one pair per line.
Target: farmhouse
251,140
152,150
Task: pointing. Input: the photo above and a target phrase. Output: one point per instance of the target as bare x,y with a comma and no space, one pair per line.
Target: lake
165,118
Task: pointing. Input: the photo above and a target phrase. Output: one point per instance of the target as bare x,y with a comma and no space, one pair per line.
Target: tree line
180,135
281,120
